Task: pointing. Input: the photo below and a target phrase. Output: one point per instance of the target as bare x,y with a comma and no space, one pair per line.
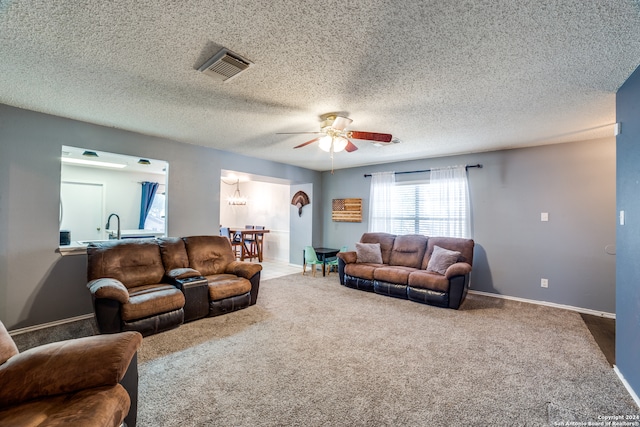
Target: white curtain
380,201
450,202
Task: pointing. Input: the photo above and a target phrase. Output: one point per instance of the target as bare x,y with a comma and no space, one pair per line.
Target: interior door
82,210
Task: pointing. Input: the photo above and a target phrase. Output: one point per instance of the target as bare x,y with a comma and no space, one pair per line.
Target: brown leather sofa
91,381
146,285
404,271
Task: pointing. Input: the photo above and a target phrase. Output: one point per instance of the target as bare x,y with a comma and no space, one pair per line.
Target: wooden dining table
258,237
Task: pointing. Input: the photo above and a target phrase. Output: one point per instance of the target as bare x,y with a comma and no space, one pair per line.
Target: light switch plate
544,216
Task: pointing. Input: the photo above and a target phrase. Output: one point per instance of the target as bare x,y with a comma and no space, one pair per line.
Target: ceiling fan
337,138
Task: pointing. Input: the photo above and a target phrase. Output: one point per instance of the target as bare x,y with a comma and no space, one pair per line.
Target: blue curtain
148,192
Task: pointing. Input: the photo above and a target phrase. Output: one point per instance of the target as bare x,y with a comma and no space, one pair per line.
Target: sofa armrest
109,288
243,269
457,269
348,257
67,366
182,273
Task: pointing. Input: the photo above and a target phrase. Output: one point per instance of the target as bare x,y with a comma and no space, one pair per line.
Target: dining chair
310,257
236,241
334,262
250,241
256,246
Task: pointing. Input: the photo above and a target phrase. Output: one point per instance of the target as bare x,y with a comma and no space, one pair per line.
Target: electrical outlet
544,283
544,216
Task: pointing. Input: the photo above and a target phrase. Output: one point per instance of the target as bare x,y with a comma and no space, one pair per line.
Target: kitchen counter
135,234
79,247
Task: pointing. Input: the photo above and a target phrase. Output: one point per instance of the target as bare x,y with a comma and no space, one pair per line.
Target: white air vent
225,64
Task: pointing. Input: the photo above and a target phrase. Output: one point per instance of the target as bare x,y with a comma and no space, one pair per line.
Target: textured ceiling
445,77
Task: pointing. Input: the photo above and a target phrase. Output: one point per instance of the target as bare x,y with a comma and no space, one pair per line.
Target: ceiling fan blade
350,147
296,133
370,136
341,122
306,143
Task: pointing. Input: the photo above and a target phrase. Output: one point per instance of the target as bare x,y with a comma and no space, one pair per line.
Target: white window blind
439,207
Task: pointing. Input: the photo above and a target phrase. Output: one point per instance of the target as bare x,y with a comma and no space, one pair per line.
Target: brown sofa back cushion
386,243
209,254
464,246
174,253
408,250
134,262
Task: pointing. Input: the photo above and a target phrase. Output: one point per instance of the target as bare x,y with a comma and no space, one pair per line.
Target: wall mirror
97,187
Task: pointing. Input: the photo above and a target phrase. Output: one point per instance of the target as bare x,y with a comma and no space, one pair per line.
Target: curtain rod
479,166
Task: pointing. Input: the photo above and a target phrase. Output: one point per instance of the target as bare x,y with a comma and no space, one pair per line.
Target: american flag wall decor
346,210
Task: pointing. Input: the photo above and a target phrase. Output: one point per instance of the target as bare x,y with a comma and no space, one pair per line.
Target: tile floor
273,268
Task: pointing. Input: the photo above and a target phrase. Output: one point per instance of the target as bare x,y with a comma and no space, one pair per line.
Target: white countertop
80,247
136,233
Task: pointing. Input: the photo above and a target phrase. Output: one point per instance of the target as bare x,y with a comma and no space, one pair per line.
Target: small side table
196,296
323,254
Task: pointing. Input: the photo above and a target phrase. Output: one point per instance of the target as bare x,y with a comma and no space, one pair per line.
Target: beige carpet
314,353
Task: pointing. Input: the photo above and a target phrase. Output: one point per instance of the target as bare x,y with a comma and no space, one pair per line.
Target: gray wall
628,235
301,224
37,284
573,182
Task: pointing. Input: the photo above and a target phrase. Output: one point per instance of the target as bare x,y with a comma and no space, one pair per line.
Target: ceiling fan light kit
330,144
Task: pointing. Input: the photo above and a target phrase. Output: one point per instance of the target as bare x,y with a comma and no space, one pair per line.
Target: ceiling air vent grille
225,64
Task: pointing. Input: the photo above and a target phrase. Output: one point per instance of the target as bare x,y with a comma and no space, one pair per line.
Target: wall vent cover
225,64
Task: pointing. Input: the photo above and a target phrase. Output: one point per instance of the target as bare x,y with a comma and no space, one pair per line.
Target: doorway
267,204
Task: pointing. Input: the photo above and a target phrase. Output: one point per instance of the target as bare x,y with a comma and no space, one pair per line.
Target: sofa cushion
227,285
362,271
368,253
428,280
464,246
174,253
134,262
386,243
149,300
408,250
441,259
209,254
101,406
393,274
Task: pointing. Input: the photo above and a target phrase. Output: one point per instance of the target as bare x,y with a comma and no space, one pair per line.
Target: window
156,217
438,207
418,210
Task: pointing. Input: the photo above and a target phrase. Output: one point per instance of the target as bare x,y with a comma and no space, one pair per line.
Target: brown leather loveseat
143,285
91,381
429,270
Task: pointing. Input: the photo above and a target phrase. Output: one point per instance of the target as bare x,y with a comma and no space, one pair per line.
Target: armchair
90,381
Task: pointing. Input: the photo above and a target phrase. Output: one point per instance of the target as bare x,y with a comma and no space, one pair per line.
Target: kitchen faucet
109,220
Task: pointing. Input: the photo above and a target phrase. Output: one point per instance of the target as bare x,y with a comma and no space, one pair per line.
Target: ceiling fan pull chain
331,151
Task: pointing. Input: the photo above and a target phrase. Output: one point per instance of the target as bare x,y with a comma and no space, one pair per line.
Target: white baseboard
627,385
15,332
548,304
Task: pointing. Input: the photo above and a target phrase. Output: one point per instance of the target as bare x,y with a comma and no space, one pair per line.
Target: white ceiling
445,77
